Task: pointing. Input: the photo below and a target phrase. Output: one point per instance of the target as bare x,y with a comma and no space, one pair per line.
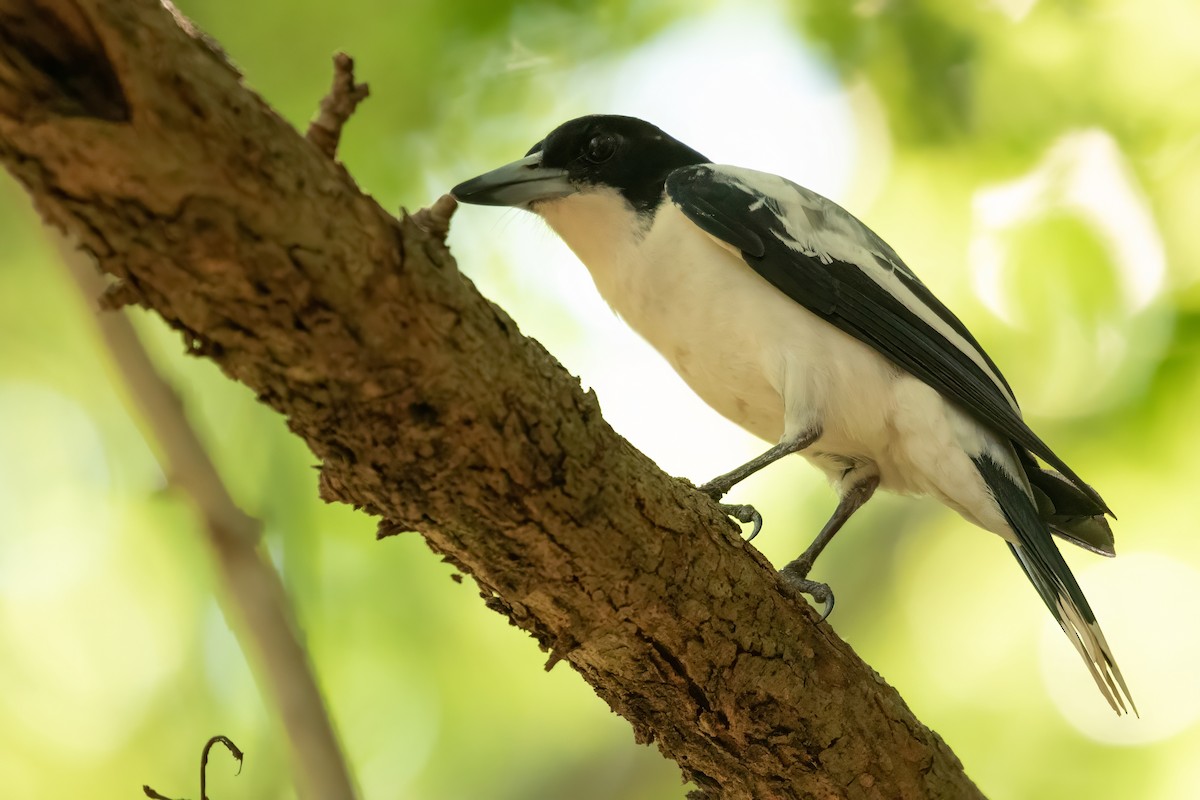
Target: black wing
828,261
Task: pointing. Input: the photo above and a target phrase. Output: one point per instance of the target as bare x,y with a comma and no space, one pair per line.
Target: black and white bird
793,319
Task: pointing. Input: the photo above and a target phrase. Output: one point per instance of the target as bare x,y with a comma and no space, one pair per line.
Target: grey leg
718,486
796,573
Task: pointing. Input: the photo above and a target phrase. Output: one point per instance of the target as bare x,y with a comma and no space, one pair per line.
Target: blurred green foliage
116,664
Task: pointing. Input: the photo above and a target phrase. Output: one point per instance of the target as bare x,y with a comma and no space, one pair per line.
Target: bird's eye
600,148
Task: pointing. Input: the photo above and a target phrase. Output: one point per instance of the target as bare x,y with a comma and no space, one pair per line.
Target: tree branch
428,408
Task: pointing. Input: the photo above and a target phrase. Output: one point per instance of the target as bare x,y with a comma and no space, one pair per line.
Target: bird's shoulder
756,209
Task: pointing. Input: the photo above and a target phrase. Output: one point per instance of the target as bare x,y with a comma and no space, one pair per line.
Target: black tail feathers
1070,512
1043,564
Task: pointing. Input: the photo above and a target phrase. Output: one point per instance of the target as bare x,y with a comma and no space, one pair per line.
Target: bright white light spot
1144,603
54,492
1086,174
1015,10
81,669
85,646
769,105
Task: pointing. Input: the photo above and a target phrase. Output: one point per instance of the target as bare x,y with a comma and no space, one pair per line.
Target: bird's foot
817,591
744,513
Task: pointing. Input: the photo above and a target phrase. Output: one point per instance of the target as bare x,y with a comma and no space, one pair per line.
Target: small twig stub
435,220
336,107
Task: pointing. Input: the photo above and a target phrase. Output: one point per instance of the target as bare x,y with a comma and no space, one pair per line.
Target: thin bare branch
255,596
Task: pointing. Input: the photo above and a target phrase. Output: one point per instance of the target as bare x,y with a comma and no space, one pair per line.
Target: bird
792,318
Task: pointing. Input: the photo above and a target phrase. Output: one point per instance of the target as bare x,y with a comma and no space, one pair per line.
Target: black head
622,153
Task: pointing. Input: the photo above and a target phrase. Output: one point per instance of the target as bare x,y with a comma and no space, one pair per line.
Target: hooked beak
517,184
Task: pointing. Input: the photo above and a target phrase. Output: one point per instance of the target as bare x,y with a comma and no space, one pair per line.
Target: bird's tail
1071,512
1046,569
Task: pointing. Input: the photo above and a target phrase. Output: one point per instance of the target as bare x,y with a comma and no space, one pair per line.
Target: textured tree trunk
427,407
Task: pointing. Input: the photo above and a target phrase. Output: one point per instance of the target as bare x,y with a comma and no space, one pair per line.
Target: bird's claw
817,591
744,513
714,489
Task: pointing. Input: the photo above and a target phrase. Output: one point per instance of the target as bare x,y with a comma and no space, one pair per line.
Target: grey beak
517,184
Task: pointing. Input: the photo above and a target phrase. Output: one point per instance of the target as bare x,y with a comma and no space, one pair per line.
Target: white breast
757,356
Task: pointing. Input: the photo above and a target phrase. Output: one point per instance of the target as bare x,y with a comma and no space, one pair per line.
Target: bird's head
588,154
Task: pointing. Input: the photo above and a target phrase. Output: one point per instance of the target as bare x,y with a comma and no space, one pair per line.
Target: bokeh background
1038,163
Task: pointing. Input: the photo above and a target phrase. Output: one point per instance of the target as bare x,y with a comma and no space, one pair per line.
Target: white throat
603,230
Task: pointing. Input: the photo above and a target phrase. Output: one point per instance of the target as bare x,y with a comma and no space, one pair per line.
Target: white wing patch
821,229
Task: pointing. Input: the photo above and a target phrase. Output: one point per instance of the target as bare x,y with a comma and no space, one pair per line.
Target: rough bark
428,408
